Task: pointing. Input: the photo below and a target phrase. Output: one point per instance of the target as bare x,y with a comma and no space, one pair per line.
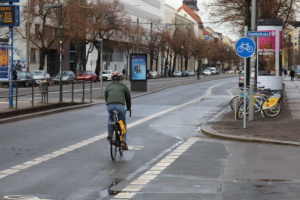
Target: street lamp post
60,46
181,57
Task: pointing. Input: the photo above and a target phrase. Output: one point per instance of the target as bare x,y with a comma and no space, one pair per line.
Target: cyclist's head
116,76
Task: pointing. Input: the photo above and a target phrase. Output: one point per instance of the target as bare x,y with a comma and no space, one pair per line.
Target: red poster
266,54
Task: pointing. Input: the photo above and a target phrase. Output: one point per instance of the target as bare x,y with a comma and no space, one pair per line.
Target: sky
205,18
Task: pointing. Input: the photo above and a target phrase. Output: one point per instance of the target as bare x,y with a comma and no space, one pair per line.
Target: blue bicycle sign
245,47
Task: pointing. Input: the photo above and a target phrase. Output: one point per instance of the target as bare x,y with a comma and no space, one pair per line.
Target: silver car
38,75
152,74
66,77
206,72
177,73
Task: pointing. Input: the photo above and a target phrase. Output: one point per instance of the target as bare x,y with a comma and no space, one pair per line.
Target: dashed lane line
68,149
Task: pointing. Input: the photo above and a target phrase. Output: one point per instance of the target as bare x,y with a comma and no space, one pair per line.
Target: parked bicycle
267,103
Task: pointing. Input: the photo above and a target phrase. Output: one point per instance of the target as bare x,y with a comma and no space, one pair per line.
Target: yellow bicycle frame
271,102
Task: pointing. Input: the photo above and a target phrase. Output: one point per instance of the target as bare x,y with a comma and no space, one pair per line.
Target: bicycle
117,137
265,103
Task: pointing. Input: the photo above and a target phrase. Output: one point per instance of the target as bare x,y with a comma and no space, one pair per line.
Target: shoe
124,146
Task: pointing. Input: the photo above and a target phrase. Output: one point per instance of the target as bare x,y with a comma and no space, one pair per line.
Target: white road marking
55,154
135,186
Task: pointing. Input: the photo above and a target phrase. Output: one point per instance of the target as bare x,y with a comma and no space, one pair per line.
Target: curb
208,131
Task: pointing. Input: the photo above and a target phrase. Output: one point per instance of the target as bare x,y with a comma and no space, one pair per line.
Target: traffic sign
9,1
9,15
245,47
258,34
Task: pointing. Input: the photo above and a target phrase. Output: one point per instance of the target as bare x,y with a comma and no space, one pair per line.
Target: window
37,29
33,55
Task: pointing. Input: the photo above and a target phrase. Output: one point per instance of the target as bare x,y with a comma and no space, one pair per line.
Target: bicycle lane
36,161
160,180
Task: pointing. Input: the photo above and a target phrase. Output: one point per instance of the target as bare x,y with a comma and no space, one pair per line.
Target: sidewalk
282,129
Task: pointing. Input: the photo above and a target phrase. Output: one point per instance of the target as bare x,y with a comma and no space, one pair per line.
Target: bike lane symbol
245,47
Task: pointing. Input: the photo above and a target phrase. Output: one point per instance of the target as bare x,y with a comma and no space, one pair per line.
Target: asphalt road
66,155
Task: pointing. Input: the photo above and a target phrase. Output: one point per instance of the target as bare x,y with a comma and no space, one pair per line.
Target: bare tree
152,40
234,12
188,46
129,34
75,28
200,51
45,34
104,20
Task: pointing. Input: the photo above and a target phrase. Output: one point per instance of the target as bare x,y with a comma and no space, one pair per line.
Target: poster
138,67
3,62
269,54
266,47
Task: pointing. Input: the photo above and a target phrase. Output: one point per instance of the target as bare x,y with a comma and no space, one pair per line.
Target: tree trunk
97,70
174,63
43,53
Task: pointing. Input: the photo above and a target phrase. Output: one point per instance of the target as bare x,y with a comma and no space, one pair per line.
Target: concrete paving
282,129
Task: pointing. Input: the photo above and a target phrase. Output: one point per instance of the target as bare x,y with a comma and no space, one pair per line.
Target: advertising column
138,72
269,54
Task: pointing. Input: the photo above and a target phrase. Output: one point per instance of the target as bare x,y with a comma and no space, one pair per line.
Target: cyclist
116,95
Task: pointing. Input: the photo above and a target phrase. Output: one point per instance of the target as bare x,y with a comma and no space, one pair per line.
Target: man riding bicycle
116,95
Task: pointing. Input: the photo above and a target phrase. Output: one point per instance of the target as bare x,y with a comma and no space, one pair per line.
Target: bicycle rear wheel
113,145
274,111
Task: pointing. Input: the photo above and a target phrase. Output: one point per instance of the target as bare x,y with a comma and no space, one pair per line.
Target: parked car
87,76
213,70
177,73
106,75
66,77
185,73
192,72
152,74
230,71
24,78
241,78
38,75
206,72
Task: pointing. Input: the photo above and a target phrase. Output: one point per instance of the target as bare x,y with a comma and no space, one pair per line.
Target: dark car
185,73
24,78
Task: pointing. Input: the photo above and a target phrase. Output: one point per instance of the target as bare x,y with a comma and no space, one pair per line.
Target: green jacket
117,92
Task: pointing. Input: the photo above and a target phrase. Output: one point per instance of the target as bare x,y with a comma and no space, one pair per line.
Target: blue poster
3,61
138,67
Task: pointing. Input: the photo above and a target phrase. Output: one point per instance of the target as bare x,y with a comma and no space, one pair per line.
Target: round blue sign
245,47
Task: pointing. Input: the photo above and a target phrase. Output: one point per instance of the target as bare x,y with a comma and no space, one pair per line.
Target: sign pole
245,82
10,68
245,47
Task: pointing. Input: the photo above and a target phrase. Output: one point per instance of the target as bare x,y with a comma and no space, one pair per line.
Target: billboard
138,67
269,54
266,47
3,62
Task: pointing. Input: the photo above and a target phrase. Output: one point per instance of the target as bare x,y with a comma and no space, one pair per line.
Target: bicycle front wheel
240,112
274,111
113,145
